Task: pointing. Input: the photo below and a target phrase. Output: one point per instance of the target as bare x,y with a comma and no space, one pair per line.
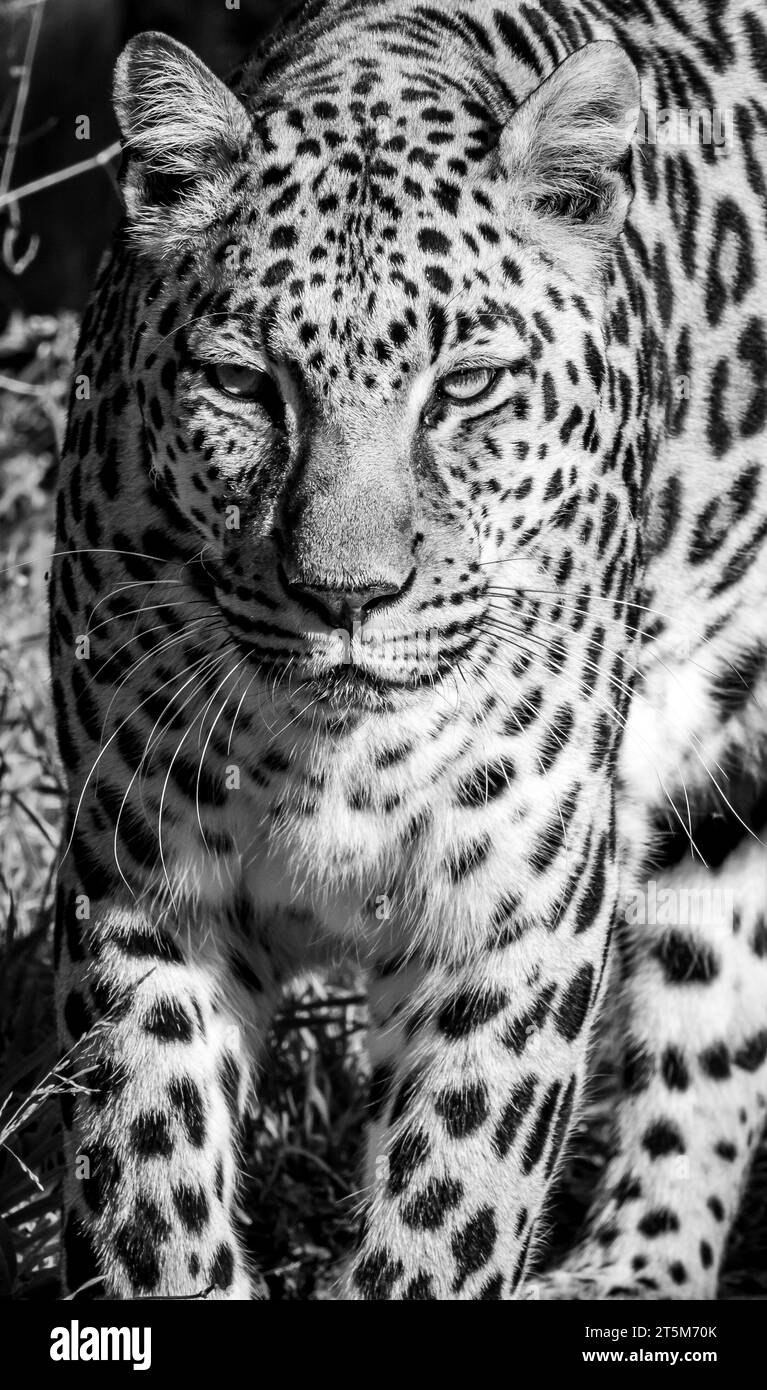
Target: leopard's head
374,378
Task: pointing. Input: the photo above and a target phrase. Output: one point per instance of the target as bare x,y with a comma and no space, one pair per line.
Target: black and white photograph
383,665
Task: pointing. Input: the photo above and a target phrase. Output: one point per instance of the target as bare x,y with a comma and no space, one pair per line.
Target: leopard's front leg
692,1096
153,1015
478,1069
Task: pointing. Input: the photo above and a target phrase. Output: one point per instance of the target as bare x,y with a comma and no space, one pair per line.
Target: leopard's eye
240,382
464,387
250,385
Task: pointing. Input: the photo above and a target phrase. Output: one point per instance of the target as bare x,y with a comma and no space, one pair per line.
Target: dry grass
300,1148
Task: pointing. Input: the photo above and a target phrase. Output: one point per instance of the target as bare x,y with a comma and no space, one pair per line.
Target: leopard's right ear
179,124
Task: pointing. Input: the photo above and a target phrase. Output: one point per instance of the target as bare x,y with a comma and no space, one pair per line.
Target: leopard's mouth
357,677
341,689
315,660
349,688
336,690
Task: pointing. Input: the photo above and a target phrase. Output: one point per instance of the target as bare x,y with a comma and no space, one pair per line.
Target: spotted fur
408,606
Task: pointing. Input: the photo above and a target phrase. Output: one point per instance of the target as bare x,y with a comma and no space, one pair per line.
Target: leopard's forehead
372,235
432,125
363,77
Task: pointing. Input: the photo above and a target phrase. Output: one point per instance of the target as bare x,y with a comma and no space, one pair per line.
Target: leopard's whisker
160,649
224,682
101,753
237,711
612,713
138,770
634,693
124,588
219,660
139,612
634,632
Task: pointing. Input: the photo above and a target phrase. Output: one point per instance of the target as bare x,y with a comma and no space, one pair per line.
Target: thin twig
21,100
22,388
72,171
33,816
16,6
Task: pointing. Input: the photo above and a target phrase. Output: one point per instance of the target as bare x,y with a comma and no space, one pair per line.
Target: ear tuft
566,151
178,121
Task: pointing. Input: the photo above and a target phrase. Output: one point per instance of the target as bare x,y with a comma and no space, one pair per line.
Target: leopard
408,613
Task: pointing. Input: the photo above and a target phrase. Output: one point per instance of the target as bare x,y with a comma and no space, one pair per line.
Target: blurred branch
30,136
22,388
48,180
21,98
18,264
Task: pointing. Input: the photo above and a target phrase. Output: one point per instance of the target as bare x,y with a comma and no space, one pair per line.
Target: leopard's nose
342,606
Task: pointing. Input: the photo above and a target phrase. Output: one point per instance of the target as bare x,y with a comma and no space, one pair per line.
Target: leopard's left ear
178,121
566,150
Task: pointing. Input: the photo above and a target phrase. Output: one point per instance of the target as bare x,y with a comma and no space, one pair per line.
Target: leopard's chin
342,696
353,687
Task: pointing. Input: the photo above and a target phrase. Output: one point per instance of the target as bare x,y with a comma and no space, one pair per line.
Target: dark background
71,76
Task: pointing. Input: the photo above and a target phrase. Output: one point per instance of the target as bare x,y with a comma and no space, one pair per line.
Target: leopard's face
376,394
